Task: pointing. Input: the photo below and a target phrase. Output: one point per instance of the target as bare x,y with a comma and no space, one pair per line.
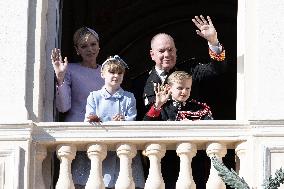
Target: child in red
173,104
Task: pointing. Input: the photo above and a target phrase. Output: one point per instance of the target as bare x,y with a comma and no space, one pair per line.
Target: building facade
29,136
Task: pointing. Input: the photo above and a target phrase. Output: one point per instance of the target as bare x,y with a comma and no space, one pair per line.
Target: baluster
186,151
125,152
155,152
40,155
214,181
96,153
66,153
241,151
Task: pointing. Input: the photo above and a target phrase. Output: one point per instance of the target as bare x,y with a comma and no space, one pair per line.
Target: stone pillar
186,151
96,153
155,152
241,151
214,181
40,155
125,152
66,153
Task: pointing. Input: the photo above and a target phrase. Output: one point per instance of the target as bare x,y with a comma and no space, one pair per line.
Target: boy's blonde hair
178,77
114,64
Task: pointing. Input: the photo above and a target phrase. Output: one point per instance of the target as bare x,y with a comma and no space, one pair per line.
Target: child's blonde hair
114,64
178,77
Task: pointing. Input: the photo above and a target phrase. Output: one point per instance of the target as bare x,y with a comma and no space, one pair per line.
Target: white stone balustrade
219,150
125,152
241,152
186,151
151,137
66,153
40,155
155,152
96,153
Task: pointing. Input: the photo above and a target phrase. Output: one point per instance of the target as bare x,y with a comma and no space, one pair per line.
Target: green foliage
231,178
274,183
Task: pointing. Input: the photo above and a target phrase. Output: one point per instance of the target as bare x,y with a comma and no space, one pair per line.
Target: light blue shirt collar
118,94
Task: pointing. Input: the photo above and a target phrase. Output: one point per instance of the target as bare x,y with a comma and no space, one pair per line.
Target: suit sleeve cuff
153,112
217,57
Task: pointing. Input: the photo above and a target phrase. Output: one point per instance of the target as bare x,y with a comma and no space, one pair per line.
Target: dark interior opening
127,26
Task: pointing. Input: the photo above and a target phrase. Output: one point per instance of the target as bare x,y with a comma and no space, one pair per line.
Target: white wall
263,60
13,59
23,60
271,59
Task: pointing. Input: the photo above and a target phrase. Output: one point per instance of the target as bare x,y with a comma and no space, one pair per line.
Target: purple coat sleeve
63,94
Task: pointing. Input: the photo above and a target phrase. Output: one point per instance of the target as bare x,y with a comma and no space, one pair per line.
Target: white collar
159,71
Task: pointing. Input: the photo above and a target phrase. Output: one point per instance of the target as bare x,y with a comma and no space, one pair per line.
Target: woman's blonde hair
83,32
177,77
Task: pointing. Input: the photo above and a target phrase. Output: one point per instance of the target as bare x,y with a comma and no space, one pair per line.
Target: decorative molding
10,168
2,174
16,131
267,150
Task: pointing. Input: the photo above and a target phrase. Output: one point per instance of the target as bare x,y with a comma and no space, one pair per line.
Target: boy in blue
112,103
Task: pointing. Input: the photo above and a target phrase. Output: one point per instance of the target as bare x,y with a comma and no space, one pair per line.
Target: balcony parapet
139,132
16,131
258,145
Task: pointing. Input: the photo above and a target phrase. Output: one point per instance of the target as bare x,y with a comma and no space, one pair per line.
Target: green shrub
232,179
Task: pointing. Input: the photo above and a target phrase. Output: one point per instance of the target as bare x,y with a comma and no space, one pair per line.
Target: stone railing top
16,131
140,132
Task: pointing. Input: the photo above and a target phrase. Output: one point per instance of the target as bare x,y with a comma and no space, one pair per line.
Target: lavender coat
72,95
